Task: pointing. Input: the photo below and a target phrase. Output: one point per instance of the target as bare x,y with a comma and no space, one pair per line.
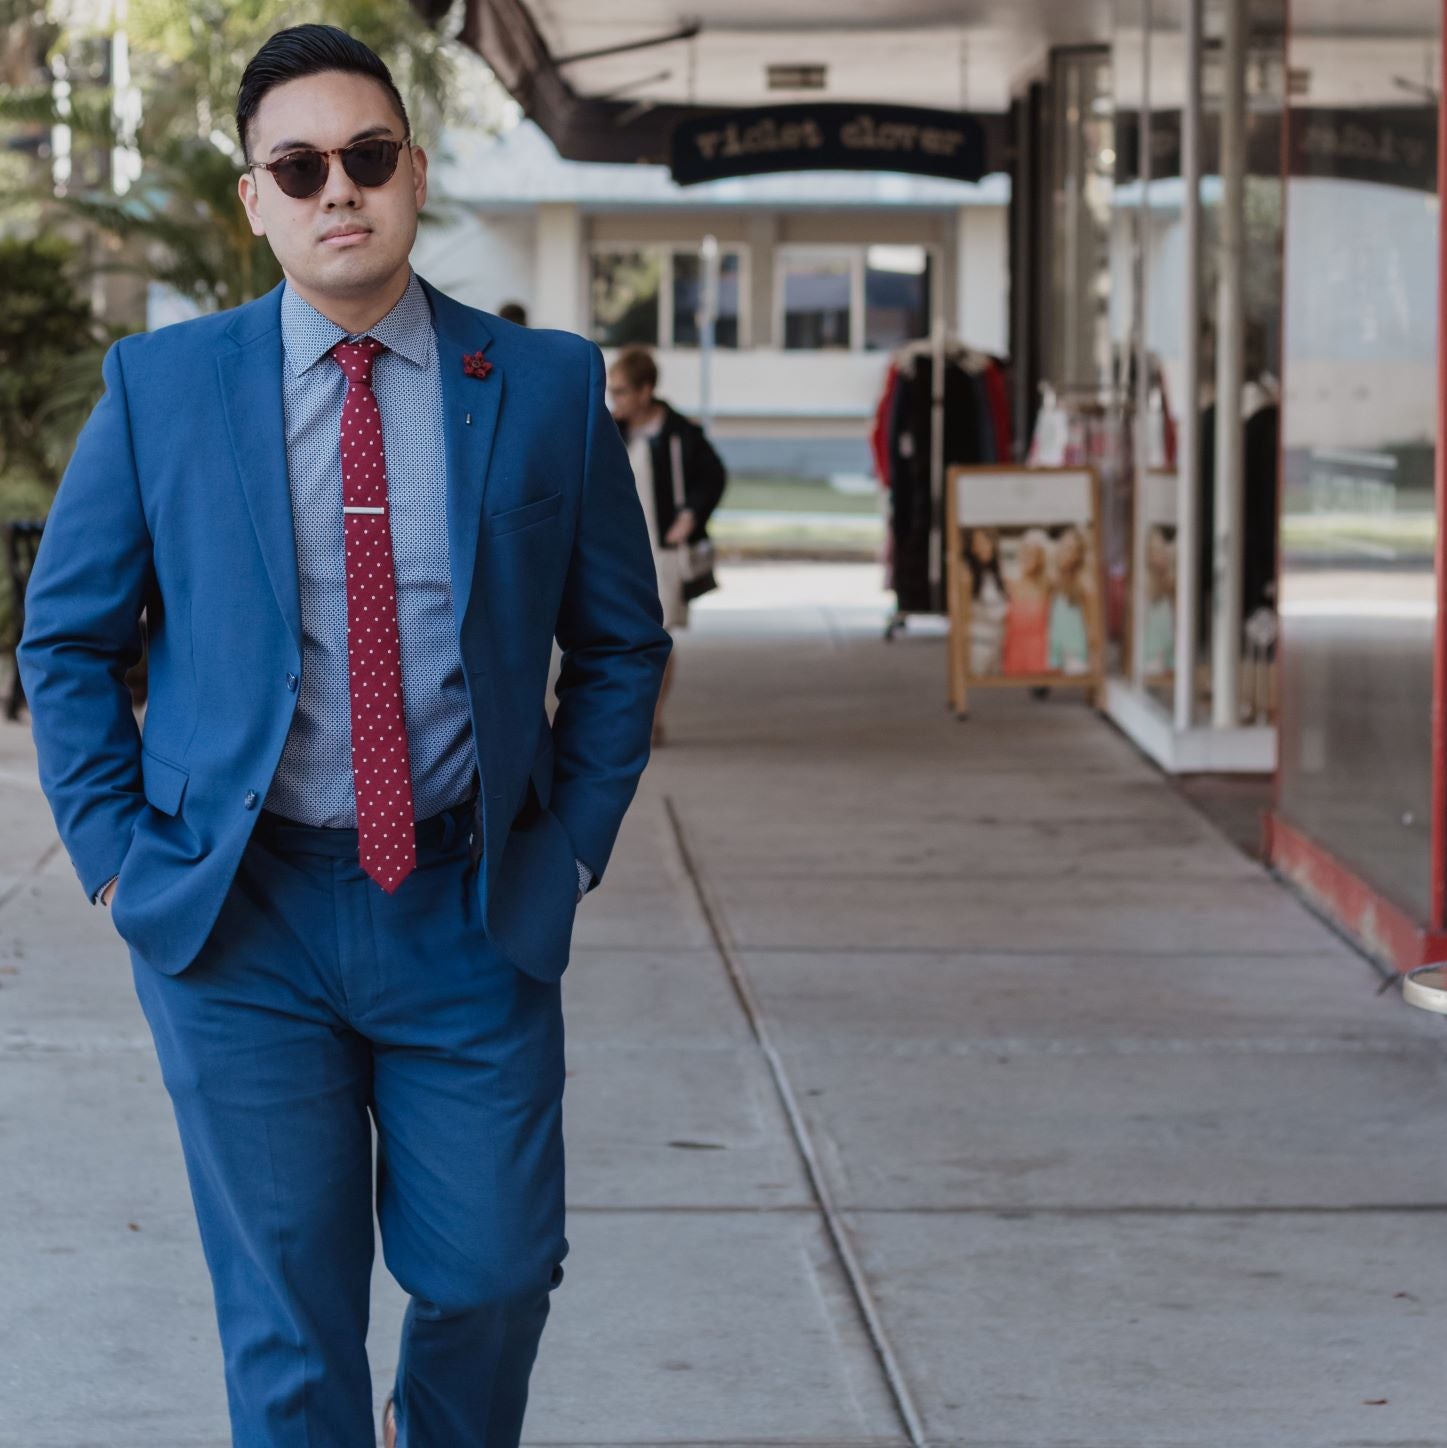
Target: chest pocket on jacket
511,519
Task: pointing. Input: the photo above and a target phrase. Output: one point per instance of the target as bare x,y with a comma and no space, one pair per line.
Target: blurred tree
181,223
50,349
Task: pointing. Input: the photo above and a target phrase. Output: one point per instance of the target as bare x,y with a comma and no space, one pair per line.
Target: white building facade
820,277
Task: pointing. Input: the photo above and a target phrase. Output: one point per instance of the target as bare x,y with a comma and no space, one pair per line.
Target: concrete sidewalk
928,1082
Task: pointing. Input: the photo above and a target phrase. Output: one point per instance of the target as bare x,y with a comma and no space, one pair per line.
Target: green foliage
50,350
182,223
19,499
186,226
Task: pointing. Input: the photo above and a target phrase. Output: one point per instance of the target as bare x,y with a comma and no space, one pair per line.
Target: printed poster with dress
1024,577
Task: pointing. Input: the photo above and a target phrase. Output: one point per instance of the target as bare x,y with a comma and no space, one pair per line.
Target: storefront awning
614,86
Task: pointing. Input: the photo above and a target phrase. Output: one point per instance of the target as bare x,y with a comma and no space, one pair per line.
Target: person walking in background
514,312
680,480
347,853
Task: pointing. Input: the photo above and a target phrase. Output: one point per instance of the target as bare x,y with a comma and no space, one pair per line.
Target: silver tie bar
363,510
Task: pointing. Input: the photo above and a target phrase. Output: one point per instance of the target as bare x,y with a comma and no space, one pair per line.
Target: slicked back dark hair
307,50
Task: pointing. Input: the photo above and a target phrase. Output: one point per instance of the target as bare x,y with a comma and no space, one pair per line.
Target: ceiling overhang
617,91
582,127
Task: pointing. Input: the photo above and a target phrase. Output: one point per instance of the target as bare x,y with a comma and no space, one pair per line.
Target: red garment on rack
997,399
879,433
1168,425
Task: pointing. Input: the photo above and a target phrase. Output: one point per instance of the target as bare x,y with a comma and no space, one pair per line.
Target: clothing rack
963,418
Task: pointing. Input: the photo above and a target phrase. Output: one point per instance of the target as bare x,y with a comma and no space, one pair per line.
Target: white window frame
857,253
666,251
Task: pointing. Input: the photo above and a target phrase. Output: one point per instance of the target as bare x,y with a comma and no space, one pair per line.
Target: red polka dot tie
381,774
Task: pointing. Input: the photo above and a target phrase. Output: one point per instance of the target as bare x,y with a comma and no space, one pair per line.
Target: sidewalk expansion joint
1153,1209
834,1223
41,861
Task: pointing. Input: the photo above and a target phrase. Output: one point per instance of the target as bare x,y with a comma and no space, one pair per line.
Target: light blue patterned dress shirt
313,783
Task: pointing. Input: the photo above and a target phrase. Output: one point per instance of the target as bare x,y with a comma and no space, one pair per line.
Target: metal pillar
707,316
1139,527
937,458
1029,293
1439,679
1188,405
1230,327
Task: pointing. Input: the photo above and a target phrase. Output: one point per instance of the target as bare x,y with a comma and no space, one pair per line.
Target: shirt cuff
585,878
95,899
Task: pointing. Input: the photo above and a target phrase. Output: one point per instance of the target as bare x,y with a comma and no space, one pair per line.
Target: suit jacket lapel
252,398
470,408
251,392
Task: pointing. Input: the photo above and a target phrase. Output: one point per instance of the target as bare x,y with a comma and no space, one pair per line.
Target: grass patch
796,495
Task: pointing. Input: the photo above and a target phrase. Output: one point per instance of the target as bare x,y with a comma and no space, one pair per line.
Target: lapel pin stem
468,419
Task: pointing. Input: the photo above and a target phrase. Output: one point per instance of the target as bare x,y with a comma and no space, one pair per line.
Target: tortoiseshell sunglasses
303,173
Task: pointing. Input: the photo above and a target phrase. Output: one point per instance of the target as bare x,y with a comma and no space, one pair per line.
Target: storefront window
817,294
1359,424
688,299
844,298
896,295
625,295
1151,224
652,295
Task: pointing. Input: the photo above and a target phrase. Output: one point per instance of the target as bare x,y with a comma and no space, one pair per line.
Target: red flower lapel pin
475,364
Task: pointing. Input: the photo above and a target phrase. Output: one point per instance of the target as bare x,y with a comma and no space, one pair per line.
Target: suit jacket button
250,800
291,682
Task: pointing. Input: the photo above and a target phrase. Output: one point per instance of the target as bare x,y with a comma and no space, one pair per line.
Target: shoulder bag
695,560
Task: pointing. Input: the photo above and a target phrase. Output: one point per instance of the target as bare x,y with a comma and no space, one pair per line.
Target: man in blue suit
346,851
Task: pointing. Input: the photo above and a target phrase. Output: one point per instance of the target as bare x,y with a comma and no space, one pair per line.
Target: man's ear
419,175
246,189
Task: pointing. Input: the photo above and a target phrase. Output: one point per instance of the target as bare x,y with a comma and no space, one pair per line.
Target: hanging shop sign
1390,145
1263,144
1024,579
828,137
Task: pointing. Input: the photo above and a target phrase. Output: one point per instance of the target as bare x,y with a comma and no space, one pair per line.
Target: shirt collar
307,336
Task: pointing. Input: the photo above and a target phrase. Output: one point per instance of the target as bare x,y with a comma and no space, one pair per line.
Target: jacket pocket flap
164,783
512,519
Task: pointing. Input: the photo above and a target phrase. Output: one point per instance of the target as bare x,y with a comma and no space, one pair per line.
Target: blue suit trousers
319,1009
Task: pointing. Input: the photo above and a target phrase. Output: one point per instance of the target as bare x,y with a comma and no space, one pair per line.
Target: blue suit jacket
176,502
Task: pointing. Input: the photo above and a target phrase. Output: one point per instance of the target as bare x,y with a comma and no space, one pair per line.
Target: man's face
629,404
319,112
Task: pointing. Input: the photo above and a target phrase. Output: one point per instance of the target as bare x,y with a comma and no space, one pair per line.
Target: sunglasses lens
301,174
368,163
371,163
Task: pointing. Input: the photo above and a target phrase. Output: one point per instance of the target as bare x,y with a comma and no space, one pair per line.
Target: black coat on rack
914,515
1259,514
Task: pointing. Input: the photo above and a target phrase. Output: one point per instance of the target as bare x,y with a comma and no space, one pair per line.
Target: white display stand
1129,701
